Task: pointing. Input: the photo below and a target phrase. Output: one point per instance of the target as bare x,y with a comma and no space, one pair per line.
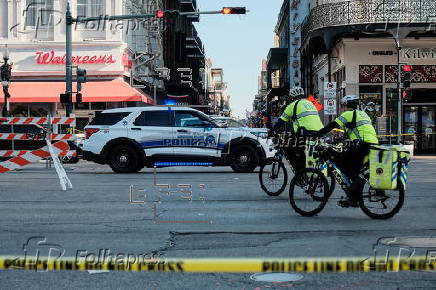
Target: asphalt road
229,216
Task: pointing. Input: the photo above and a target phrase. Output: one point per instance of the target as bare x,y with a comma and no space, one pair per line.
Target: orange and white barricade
67,121
51,150
21,158
38,121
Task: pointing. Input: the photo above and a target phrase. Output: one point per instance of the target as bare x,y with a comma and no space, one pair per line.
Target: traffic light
405,95
79,98
234,10
160,14
65,98
407,71
81,78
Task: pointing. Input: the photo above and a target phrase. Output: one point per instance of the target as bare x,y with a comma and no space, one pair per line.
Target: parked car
128,139
232,123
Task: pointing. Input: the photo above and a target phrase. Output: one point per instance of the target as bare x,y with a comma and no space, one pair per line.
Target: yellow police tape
232,265
392,135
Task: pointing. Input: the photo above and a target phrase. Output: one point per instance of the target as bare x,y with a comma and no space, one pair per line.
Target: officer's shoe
346,203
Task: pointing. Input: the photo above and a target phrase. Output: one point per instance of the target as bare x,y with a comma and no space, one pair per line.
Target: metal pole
68,51
399,104
155,95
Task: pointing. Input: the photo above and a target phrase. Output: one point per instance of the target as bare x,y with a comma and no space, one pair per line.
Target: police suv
129,139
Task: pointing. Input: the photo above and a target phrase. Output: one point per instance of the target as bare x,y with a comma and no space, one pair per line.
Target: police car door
195,136
153,131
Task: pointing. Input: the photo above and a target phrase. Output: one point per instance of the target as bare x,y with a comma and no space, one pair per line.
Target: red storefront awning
49,92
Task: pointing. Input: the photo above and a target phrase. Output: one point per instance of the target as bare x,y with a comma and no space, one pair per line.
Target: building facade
284,63
129,63
184,56
218,93
34,34
355,44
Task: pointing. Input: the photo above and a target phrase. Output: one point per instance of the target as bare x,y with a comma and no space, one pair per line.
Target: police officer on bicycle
359,128
305,121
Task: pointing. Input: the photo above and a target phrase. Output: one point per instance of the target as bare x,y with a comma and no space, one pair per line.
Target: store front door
421,121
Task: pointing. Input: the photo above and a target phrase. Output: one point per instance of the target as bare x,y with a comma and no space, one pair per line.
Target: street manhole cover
276,277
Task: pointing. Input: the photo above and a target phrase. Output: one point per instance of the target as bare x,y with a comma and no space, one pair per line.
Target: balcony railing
190,4
193,40
367,12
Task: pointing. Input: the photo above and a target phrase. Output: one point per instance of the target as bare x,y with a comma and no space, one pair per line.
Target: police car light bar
167,164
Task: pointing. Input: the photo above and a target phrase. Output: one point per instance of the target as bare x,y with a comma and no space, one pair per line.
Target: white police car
231,123
129,139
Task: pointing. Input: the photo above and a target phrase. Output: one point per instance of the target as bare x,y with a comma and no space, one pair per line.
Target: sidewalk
424,157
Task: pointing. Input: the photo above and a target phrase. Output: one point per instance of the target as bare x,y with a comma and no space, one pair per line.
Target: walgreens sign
46,58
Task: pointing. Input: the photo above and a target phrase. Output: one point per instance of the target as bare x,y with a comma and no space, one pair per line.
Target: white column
114,8
109,35
3,19
59,6
11,22
19,17
77,34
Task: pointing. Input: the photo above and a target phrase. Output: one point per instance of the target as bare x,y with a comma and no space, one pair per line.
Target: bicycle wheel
381,204
309,192
273,177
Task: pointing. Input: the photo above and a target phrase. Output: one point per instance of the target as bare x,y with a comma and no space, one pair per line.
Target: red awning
49,92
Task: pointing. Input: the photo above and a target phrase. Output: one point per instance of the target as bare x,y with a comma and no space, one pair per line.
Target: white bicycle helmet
296,91
349,99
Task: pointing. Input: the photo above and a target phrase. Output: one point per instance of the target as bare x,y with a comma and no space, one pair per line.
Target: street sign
330,107
330,90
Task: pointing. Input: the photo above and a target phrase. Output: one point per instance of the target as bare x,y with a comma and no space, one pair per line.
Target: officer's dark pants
351,163
294,150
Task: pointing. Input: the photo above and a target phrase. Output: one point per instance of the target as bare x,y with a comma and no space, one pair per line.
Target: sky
238,43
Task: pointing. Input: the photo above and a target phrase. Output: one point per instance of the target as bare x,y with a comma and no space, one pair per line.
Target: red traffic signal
160,14
407,68
234,10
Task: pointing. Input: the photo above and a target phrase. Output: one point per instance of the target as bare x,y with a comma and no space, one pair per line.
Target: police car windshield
203,115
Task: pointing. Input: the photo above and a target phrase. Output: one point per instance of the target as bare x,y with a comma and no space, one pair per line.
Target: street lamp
5,76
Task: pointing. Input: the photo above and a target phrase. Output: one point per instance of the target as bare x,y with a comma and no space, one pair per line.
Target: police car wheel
244,159
124,159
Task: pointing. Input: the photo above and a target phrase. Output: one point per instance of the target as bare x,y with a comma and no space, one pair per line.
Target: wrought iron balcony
368,12
190,6
193,41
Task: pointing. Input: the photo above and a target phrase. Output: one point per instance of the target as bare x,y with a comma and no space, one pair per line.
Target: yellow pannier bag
311,161
386,164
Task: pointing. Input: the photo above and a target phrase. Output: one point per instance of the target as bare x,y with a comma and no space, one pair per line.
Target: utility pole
69,65
400,103
159,14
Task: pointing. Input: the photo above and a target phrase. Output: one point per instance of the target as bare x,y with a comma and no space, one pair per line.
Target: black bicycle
273,176
309,190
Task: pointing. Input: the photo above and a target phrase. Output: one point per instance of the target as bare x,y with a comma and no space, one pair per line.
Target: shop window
391,109
82,106
19,110
90,8
371,100
39,13
39,109
98,106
